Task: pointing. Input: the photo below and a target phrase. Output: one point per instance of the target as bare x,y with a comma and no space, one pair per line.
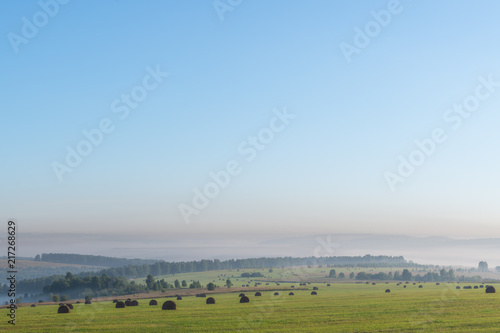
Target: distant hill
91,260
29,269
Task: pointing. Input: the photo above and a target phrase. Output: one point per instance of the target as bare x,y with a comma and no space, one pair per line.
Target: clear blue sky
325,172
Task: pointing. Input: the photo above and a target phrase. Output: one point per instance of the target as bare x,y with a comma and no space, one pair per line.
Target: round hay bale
258,293
437,283
88,302
153,302
315,288
134,303
388,290
490,290
70,306
78,302
127,302
328,285
210,300
313,293
476,287
63,309
115,301
414,283
169,305
373,283
33,305
481,286
293,286
420,286
242,295
458,287
404,286
291,294
179,298
119,305
276,293
244,299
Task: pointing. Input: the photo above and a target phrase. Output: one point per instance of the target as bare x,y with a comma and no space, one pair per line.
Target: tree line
90,260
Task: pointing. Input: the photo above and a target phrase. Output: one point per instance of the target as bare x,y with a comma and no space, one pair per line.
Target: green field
342,307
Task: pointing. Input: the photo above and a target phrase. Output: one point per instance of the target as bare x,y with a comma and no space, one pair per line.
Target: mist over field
422,250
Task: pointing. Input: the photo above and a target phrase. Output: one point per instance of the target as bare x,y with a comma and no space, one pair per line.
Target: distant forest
37,285
90,260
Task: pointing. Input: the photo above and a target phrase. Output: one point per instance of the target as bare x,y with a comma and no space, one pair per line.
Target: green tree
37,258
184,284
150,280
177,284
483,266
211,286
332,273
55,298
64,298
88,298
406,275
229,284
341,276
351,276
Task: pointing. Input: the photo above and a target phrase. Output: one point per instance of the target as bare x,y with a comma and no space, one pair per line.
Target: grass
343,307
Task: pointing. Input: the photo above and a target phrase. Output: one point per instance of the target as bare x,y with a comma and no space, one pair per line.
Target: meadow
342,307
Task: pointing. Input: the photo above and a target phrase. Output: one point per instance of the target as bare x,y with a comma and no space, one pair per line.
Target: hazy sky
115,114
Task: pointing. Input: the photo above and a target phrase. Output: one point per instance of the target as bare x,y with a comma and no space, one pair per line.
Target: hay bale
258,294
490,290
420,286
476,287
242,295
293,286
119,305
78,302
404,286
328,285
134,303
153,302
244,299
63,309
88,302
315,288
373,283
388,290
437,283
313,293
169,305
458,287
127,302
291,294
276,293
115,301
179,298
210,300
70,306
481,286
33,305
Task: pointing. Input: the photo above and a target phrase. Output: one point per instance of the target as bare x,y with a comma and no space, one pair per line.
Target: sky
208,118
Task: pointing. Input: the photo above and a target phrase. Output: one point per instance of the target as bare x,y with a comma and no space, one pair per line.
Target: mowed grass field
342,307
